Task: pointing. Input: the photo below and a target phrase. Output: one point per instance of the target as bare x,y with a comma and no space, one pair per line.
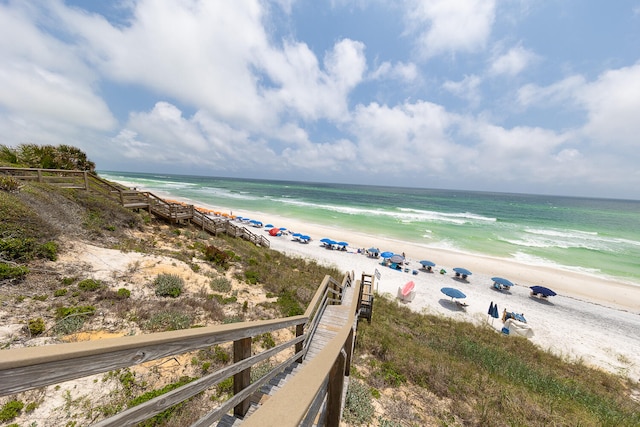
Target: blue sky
514,95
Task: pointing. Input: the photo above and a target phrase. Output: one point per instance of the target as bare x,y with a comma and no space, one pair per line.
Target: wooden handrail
26,368
298,394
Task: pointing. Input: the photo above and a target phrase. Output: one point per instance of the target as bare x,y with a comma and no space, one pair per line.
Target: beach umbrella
304,237
426,263
386,254
490,311
274,231
325,240
543,291
397,259
342,244
268,226
373,250
296,234
453,293
462,271
501,281
495,313
283,229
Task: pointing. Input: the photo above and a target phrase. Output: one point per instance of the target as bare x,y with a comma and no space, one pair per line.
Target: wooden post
39,175
241,380
300,345
86,180
334,391
348,347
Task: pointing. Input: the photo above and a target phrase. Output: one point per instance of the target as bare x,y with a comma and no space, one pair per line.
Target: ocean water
595,236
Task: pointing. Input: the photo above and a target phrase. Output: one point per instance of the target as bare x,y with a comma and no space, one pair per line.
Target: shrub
12,272
220,284
89,285
49,250
288,305
123,293
170,320
251,276
83,310
36,326
71,319
168,285
358,406
217,256
42,297
10,410
15,248
60,292
9,184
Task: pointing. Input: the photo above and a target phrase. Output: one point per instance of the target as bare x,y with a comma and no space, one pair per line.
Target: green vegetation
10,410
36,326
60,292
169,320
71,319
46,157
12,272
358,407
123,293
485,377
89,285
9,184
167,414
168,285
220,284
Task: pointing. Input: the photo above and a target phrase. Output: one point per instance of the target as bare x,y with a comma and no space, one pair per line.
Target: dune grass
486,378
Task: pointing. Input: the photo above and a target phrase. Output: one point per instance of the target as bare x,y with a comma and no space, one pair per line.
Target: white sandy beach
592,320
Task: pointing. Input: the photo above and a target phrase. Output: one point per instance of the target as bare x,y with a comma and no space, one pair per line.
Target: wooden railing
27,368
59,177
134,199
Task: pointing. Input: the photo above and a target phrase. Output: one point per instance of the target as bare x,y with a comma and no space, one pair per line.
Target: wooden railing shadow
318,384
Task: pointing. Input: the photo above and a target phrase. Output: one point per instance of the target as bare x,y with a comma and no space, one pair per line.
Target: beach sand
591,320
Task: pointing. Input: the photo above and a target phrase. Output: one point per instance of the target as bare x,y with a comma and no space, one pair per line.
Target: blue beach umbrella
495,313
543,291
453,293
462,271
296,234
501,281
397,259
268,226
386,254
373,250
304,237
490,311
325,240
427,263
342,244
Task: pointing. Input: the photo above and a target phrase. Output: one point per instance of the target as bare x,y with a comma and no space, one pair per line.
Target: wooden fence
27,368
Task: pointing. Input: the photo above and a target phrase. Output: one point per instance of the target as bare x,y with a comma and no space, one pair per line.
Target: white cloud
406,72
561,92
512,62
467,88
41,78
613,106
445,26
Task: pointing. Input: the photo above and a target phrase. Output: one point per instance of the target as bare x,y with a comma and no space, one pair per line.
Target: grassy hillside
409,370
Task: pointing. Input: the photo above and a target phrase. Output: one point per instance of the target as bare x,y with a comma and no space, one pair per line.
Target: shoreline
591,321
611,293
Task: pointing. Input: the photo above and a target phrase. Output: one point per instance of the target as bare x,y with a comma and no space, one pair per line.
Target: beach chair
407,292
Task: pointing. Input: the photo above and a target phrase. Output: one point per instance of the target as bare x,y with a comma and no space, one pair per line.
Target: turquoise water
597,236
